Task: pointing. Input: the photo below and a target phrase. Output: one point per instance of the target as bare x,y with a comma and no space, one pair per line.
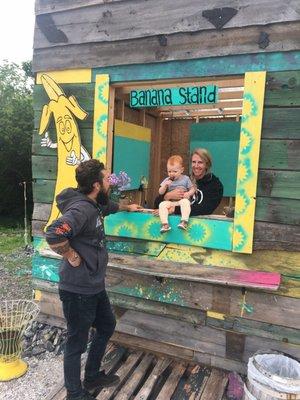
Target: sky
16,30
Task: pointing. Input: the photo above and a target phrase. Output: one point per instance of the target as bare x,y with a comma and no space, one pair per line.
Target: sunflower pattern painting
201,232
253,101
100,117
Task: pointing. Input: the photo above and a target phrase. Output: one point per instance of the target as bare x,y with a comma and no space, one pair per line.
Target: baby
175,180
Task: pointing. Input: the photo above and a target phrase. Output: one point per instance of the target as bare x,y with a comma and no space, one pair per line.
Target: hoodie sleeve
110,208
67,226
208,199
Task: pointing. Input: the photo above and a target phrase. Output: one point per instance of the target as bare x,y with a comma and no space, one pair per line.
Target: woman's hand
176,194
186,195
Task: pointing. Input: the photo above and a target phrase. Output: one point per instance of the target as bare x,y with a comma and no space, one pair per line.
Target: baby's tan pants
185,208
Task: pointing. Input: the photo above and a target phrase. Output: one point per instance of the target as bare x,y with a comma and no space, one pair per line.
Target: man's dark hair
87,173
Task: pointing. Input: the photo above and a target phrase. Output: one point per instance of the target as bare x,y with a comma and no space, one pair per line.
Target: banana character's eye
61,128
68,126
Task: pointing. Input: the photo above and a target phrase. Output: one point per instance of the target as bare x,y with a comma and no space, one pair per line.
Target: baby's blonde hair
175,160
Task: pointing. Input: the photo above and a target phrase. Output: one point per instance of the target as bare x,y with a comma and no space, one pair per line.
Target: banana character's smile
68,145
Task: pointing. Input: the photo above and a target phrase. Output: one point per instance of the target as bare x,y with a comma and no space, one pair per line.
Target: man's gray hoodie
82,224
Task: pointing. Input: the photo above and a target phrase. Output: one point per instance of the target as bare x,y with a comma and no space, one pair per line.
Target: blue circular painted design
197,232
102,119
253,106
246,201
152,229
243,238
249,138
101,95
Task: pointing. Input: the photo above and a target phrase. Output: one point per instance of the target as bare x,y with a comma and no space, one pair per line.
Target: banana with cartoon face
64,111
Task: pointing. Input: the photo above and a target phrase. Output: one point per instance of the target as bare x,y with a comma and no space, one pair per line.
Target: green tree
16,129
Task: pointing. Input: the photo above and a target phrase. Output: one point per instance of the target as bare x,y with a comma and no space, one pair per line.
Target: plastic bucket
272,376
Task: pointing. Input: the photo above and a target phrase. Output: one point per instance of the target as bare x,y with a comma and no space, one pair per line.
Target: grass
15,261
11,239
11,235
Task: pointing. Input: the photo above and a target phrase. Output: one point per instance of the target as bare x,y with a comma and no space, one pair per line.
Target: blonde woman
209,189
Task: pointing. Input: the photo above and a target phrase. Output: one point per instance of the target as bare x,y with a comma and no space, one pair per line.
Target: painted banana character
69,150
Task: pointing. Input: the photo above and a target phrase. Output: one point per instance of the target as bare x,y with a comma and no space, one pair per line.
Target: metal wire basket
15,316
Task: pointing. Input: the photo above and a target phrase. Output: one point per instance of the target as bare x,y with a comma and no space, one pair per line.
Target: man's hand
65,250
75,259
186,195
133,207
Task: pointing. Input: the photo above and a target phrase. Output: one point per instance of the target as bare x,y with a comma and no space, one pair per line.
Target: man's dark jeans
83,312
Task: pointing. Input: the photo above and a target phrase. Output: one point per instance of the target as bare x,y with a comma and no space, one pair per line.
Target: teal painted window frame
197,68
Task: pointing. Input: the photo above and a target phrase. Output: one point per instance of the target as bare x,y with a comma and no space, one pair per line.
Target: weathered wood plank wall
135,19
176,47
98,33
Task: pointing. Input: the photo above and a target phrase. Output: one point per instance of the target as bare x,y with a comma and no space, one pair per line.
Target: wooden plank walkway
144,376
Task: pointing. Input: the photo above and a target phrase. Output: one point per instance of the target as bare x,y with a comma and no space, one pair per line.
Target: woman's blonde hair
205,156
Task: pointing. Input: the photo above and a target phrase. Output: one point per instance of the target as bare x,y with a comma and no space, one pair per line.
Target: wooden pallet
146,376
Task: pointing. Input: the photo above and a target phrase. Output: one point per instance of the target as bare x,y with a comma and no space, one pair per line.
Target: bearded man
79,237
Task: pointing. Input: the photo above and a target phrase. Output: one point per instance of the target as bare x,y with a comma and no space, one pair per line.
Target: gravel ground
42,376
15,275
45,370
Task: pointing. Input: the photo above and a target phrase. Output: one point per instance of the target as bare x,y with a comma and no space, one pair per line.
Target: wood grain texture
158,370
178,353
249,327
281,123
278,210
124,371
42,7
215,386
197,295
283,89
51,305
204,340
135,378
171,383
200,296
284,184
143,18
276,236
188,272
179,46
279,154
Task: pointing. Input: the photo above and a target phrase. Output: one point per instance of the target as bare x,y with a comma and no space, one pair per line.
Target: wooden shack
224,75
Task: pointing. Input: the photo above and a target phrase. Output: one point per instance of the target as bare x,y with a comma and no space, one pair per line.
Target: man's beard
102,198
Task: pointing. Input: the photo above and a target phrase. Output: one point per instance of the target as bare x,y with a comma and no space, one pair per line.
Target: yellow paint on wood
100,117
37,295
215,315
69,76
253,102
286,263
132,131
64,110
